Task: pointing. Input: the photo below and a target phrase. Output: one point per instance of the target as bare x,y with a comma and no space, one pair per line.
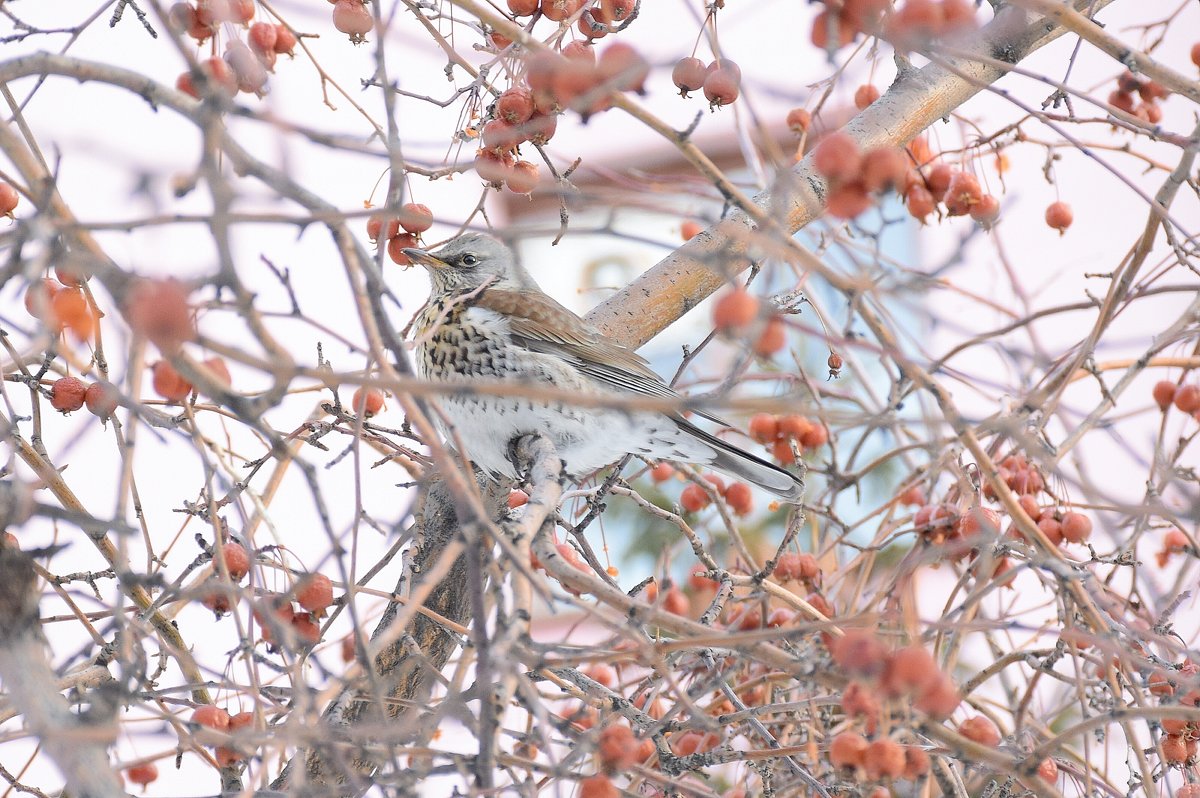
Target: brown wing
542,325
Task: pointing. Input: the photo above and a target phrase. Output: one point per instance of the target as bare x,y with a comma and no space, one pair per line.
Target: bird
488,319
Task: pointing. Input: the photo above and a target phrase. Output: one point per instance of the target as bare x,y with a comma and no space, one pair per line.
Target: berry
262,37
8,199
884,168
847,750
220,372
689,230
142,774
823,22
169,383
739,498
916,762
623,67
540,128
722,83
794,427
70,309
517,498
798,120
693,499
662,472
523,178
219,79
939,179
367,402
920,202
908,670
159,310
613,12
101,399
676,603
848,200
493,168
986,211
314,592
837,157
415,218
353,18
1048,772
764,428
772,339
939,698
864,95
305,628
1196,54
66,394
382,224
285,40
397,245
816,436
834,362
1059,216
1187,398
1076,527
688,75
884,759
580,51
39,297
522,8
500,137
1174,750
237,560
598,786
963,193
735,310
559,10
980,730
515,106
616,748
211,717
859,653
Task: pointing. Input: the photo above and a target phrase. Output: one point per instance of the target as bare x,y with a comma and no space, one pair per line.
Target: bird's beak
424,258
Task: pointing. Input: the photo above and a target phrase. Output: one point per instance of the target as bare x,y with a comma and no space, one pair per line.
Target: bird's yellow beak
424,258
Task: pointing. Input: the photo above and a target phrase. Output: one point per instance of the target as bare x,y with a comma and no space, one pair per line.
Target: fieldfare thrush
488,320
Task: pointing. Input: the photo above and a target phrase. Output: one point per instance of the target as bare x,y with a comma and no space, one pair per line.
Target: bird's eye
469,260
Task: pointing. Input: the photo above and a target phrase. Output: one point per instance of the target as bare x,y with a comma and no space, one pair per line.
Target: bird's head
468,261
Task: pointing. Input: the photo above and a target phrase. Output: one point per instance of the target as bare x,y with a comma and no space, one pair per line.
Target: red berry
676,603
848,200
1076,527
722,83
353,18
613,12
939,179
367,402
415,218
1196,54
493,168
772,339
142,774
397,245
598,786
843,31
623,67
169,383
8,199
305,628
837,157
1187,398
884,759
864,95
522,8
688,75
285,40
963,193
739,498
920,202
847,749
262,37
694,499
39,297
101,399
219,370
662,472
523,178
211,717
237,560
559,10
1059,216
690,229
980,730
798,120
764,427
314,592
884,168
986,211
735,310
66,394
515,105
159,310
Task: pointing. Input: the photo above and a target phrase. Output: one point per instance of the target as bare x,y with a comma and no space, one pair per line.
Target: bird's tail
739,463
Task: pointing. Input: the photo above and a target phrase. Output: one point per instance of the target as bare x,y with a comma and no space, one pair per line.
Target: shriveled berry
396,246
559,10
515,105
66,394
963,193
285,40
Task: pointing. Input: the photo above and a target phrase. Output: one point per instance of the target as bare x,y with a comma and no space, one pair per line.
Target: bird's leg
526,452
